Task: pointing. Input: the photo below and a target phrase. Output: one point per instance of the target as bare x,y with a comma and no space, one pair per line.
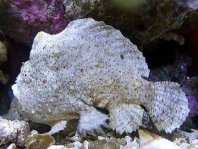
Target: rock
142,21
3,58
111,143
151,141
23,19
193,4
11,57
146,140
3,52
189,29
192,135
176,71
130,143
57,147
190,87
14,131
39,141
193,106
78,145
12,146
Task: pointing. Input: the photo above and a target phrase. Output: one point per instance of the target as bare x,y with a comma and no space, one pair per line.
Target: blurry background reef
143,21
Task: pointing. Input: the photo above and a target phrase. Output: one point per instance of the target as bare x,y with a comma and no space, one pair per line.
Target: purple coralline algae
27,17
36,13
193,106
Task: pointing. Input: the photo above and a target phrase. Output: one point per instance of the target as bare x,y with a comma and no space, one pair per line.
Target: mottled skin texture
89,65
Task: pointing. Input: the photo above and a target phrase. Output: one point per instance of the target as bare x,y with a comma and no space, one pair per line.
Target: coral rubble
15,131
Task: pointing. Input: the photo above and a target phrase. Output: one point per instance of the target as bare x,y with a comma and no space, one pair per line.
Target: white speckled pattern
88,65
